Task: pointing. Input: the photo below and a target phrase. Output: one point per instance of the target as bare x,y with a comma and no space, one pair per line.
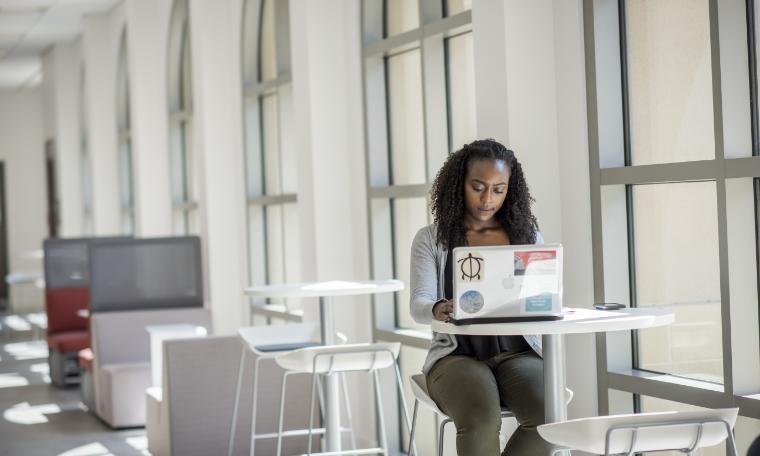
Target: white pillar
147,35
101,51
530,90
326,55
215,29
67,88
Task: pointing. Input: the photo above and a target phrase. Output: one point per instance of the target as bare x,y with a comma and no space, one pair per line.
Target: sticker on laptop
539,303
536,262
471,301
471,267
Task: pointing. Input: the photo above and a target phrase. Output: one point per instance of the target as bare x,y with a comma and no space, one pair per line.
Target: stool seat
654,431
270,339
340,358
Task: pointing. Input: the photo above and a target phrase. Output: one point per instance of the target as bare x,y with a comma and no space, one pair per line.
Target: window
674,180
126,179
85,161
271,173
183,182
420,106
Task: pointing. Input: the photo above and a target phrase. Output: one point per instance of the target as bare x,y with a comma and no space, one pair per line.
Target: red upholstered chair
67,333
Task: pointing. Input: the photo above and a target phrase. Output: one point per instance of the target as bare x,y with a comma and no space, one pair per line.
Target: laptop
511,283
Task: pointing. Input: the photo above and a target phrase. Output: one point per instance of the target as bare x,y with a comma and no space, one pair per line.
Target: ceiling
29,27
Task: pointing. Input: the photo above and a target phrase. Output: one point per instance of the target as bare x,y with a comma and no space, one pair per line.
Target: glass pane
676,239
400,16
185,77
653,404
406,119
177,146
409,215
291,249
271,145
457,6
256,248
253,161
268,55
461,85
275,252
670,81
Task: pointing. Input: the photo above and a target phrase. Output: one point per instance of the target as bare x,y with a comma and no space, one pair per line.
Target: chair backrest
120,337
62,305
145,274
656,431
341,358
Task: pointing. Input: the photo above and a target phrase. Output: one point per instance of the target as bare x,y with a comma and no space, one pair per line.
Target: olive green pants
471,393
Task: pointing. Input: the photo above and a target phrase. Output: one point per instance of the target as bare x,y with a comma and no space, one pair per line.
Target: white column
215,30
327,92
67,73
530,89
147,34
101,50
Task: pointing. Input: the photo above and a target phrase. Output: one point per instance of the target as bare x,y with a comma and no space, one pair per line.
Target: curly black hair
447,196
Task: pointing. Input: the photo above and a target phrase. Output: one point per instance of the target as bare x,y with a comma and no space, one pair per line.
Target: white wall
22,151
101,39
218,127
530,94
147,41
66,71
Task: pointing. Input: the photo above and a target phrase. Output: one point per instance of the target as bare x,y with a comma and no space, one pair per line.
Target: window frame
254,90
617,367
124,135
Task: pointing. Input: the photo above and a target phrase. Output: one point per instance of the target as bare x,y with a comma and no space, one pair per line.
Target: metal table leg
554,380
332,391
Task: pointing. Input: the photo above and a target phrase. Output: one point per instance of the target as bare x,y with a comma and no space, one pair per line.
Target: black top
481,347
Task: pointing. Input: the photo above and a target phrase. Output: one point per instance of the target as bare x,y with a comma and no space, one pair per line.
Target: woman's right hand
442,311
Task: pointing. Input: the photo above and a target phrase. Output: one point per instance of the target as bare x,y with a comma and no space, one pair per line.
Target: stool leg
400,385
412,450
231,444
380,414
282,412
347,401
254,401
441,431
314,377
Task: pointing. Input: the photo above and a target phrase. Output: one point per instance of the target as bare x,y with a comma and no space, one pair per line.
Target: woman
479,197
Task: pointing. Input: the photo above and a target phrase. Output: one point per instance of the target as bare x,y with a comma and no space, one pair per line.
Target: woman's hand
442,310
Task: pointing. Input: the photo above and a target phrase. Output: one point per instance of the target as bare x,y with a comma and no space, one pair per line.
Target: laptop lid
506,283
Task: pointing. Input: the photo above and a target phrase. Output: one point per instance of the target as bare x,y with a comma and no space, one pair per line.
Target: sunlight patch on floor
24,413
12,380
91,449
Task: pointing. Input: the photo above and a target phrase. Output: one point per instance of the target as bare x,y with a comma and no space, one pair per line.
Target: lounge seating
121,359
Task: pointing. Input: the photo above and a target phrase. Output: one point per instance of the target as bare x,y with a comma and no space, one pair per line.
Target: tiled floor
39,419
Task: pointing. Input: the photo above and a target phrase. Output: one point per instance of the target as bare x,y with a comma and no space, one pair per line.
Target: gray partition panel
66,261
155,273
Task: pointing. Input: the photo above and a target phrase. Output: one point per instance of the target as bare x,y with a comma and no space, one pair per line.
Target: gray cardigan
426,287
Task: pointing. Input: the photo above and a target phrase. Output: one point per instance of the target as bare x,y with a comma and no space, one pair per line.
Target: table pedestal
555,406
331,386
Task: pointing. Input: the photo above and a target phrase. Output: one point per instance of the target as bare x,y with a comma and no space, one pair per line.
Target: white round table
324,290
575,321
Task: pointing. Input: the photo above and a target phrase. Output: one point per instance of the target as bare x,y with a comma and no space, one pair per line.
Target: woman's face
485,188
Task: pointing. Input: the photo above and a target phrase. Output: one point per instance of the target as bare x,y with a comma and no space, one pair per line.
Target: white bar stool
331,360
641,432
267,342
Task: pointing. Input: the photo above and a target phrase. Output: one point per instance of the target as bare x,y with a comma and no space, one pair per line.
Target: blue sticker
538,303
471,301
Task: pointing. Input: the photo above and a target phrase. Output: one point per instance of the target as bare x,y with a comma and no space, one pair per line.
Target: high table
575,321
324,290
